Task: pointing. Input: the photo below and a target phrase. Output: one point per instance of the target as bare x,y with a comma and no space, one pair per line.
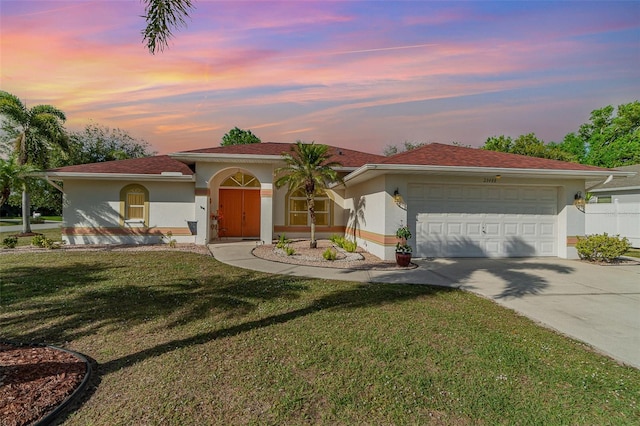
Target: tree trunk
26,211
312,215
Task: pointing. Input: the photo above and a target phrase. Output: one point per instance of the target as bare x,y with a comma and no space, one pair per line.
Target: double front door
239,211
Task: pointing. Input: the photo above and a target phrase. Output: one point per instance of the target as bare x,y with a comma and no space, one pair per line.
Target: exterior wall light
578,201
397,198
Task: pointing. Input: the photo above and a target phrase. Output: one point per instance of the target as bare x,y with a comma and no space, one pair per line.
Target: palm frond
162,17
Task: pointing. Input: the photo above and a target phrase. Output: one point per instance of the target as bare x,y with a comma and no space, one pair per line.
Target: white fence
614,219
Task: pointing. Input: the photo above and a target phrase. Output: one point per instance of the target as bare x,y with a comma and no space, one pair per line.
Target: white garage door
483,221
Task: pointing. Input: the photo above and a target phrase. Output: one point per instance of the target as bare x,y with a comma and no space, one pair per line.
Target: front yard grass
180,338
634,252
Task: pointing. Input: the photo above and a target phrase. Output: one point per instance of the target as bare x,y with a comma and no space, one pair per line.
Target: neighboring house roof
151,166
627,183
273,151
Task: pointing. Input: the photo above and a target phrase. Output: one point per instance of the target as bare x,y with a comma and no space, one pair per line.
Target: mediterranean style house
458,202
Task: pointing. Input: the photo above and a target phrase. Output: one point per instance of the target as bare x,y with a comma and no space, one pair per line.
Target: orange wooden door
251,218
240,213
230,204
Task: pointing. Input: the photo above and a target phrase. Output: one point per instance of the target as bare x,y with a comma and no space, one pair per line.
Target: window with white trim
299,212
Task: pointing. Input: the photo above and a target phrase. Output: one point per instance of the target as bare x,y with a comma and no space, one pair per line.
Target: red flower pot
403,259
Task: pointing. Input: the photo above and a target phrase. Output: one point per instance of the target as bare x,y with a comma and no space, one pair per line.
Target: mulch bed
35,380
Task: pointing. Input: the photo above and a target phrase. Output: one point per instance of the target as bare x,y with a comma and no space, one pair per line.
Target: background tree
162,17
238,136
308,167
94,144
528,145
407,146
33,132
607,140
612,140
97,143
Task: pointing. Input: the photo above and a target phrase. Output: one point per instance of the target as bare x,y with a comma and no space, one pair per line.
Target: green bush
290,251
330,254
349,246
602,248
10,242
44,242
282,242
336,239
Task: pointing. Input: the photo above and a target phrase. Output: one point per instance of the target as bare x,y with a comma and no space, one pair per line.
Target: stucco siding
92,213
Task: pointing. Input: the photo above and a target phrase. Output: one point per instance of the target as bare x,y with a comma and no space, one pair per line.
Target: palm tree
162,17
308,167
12,175
34,130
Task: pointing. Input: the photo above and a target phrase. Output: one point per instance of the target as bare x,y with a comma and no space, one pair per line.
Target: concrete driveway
598,305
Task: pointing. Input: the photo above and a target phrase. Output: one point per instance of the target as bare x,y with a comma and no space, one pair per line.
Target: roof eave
616,189
379,169
169,177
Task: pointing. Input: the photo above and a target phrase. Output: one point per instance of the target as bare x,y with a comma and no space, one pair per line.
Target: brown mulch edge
38,382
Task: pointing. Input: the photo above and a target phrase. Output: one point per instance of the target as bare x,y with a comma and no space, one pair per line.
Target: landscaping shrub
290,251
336,239
44,242
330,254
602,247
349,246
172,242
10,242
282,242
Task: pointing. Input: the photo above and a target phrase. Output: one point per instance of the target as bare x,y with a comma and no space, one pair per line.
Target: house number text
490,180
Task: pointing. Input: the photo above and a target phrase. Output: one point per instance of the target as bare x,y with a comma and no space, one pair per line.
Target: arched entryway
239,206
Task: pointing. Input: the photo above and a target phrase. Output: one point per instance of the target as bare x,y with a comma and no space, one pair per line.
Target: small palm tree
308,168
34,131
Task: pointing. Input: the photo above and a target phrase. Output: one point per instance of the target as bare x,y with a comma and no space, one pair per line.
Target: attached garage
483,220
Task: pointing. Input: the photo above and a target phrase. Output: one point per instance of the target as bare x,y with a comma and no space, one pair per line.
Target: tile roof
145,166
437,154
346,157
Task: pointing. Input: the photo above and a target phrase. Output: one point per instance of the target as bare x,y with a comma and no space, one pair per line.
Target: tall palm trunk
26,211
312,215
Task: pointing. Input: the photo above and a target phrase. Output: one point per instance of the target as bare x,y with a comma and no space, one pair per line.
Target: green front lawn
180,338
633,253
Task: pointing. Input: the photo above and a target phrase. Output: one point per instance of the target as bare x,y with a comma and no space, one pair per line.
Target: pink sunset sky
357,74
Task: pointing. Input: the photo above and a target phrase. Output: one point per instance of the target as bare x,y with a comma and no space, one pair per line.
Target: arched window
134,204
240,180
299,213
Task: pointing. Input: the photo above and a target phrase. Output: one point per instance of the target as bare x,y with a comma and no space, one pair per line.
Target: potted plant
403,250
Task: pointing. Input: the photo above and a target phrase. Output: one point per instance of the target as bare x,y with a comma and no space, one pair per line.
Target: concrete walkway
598,305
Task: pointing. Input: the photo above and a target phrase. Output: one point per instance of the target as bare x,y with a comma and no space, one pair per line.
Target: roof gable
344,156
436,154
